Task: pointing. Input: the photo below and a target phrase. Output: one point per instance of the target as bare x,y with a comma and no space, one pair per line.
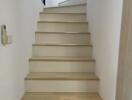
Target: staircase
62,67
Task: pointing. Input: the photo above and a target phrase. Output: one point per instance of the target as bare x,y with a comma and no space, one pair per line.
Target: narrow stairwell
62,67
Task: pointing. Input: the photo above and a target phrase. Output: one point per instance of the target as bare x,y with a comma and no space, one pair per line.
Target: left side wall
20,16
9,58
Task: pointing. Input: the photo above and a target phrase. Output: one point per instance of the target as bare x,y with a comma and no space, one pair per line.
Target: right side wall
104,17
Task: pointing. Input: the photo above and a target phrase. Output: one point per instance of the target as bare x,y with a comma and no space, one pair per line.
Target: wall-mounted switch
5,39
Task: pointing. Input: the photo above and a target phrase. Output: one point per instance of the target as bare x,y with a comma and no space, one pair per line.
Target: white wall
20,16
73,2
53,2
28,15
9,58
57,1
104,17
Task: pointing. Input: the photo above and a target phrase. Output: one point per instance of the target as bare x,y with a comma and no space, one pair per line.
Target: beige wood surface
124,84
62,76
61,96
57,58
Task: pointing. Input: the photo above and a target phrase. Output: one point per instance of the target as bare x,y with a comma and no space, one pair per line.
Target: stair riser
63,27
75,51
74,9
63,17
63,38
55,66
61,86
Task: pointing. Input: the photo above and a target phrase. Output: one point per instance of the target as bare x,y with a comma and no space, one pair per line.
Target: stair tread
58,44
55,58
62,76
38,32
61,96
42,21
76,13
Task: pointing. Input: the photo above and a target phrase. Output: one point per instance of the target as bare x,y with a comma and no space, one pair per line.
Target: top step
79,8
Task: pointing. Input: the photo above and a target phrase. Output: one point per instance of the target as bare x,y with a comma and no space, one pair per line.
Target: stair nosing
63,92
62,13
92,78
61,79
63,60
51,7
81,22
57,44
40,32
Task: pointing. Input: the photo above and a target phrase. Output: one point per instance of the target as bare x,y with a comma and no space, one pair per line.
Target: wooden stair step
61,96
55,58
42,32
57,44
66,26
63,17
62,76
76,13
62,49
80,22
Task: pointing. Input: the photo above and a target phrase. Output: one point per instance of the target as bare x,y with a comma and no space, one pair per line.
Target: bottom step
61,96
61,86
61,82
